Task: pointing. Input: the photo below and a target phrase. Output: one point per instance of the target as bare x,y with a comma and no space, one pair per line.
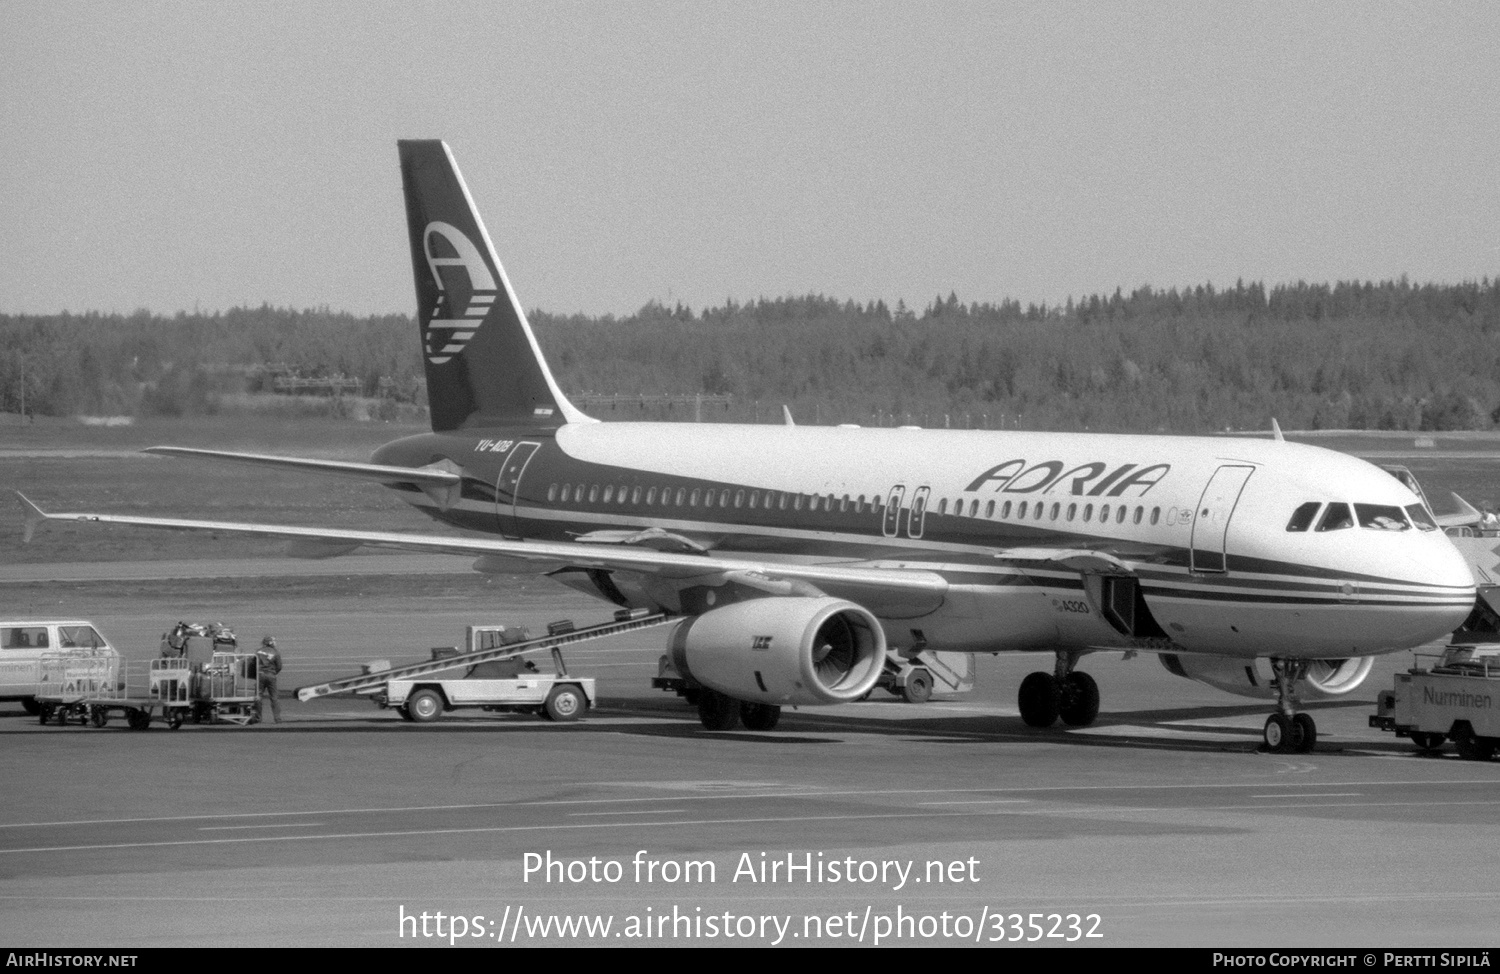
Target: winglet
34,516
1276,431
1467,514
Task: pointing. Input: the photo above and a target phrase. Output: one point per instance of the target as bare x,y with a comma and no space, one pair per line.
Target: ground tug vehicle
1456,699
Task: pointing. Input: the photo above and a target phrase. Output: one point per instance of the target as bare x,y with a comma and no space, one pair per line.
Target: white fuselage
1201,524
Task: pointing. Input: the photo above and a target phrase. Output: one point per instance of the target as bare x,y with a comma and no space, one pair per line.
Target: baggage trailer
223,689
1458,699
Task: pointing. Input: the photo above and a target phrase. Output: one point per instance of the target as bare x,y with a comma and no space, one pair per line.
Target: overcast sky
172,156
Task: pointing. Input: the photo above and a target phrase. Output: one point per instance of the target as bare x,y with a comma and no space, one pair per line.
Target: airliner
797,556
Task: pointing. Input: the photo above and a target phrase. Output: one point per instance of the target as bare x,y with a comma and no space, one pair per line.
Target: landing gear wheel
1038,699
425,706
1078,702
564,704
716,711
98,716
760,716
1428,742
1304,733
1278,734
138,719
30,705
1472,748
918,687
175,717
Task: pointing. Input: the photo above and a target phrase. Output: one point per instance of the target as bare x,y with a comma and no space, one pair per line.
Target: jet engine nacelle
1253,678
783,650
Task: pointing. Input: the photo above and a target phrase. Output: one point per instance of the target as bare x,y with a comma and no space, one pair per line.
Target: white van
23,644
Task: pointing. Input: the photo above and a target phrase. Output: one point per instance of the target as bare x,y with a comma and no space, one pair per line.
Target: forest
1389,355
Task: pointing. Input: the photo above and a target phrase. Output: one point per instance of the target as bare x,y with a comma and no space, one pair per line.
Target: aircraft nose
1447,565
1447,572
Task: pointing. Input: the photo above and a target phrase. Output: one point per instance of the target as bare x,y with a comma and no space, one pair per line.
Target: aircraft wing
904,585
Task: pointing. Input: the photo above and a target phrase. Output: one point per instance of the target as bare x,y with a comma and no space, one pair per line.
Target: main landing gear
1065,693
721,712
1288,732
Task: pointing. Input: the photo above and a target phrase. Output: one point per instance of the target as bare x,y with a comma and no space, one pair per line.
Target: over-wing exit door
508,487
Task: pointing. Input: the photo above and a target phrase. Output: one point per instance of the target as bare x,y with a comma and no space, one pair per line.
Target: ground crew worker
268,664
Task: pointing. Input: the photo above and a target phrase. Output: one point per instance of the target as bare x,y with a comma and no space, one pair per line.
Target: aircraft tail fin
483,364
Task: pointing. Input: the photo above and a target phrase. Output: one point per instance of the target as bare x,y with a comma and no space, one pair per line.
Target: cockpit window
1382,517
1336,518
1302,517
1420,517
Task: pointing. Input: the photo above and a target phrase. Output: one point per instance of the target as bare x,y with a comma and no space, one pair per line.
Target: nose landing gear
1286,731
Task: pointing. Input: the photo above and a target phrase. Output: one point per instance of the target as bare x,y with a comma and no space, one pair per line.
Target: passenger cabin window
1336,518
1381,517
1302,517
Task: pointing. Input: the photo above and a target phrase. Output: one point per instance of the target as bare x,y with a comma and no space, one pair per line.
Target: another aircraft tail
483,364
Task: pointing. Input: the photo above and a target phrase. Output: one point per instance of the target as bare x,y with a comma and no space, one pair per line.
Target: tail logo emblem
449,328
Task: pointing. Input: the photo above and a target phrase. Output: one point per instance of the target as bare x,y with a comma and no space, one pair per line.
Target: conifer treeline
1378,356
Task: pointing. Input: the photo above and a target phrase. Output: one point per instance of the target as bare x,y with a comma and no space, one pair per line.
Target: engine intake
1253,678
783,651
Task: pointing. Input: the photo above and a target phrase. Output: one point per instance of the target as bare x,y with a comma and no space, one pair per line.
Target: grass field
65,465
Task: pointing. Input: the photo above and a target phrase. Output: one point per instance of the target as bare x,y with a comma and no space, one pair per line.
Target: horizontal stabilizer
425,477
